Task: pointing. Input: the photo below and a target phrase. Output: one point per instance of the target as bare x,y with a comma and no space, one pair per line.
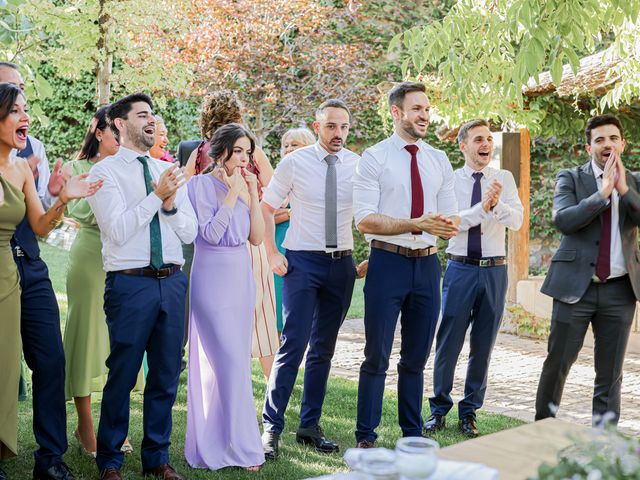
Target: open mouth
607,154
150,130
484,154
21,133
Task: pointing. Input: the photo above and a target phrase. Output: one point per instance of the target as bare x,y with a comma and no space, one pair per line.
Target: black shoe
59,471
3,475
314,436
270,442
468,426
434,424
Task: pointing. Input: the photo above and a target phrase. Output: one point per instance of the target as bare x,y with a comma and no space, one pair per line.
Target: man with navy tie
403,199
40,317
144,217
475,281
318,271
594,277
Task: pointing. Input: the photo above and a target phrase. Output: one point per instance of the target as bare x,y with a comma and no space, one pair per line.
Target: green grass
295,462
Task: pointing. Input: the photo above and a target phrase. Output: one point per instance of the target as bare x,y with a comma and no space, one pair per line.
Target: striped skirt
265,331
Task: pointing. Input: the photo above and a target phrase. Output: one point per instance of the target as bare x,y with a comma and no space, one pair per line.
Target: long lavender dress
222,426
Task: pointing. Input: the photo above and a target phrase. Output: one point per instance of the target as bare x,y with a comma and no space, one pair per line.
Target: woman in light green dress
18,195
86,338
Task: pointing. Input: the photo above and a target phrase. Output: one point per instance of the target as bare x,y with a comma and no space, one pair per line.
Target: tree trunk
105,53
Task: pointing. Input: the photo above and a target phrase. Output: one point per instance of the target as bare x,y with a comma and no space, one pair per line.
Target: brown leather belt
609,280
334,255
407,252
480,262
150,272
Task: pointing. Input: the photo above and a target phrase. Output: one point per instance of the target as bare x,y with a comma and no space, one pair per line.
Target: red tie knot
412,149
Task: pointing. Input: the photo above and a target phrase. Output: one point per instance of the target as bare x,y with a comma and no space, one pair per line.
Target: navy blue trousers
471,296
143,314
44,354
396,284
316,294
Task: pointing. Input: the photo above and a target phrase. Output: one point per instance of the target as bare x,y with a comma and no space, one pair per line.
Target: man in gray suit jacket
594,276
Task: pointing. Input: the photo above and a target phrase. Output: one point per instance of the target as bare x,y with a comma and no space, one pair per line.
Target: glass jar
378,464
416,457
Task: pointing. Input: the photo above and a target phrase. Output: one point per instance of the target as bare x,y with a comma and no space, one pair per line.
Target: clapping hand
492,195
57,179
610,175
169,182
78,187
620,177
438,225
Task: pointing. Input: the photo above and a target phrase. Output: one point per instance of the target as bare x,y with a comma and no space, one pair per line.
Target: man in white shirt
403,199
144,216
594,277
475,281
318,271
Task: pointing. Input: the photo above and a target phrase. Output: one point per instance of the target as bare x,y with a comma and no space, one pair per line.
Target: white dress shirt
124,211
618,268
43,172
507,213
382,184
301,176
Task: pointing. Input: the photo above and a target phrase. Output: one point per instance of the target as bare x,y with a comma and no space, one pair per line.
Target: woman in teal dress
291,140
86,339
18,195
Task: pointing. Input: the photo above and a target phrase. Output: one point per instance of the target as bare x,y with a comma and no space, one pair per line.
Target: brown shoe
110,474
163,472
366,444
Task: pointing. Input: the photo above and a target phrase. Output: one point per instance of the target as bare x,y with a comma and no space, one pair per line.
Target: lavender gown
222,426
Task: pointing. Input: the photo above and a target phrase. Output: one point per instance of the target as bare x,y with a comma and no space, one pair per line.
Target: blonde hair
302,135
219,108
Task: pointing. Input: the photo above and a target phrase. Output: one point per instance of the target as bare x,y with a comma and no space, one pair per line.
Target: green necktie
154,227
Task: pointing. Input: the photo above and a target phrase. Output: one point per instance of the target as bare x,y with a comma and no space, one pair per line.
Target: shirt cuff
272,199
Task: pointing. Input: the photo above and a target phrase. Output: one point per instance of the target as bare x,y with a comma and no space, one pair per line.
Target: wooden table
516,453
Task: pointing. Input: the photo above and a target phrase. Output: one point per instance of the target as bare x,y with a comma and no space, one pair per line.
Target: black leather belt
407,252
481,262
610,280
334,255
150,272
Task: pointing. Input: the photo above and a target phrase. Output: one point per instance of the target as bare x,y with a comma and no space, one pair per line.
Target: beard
141,140
409,129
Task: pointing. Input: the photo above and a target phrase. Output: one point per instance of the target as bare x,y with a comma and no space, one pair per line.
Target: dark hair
333,103
397,93
223,141
122,107
90,144
464,129
9,65
9,93
599,121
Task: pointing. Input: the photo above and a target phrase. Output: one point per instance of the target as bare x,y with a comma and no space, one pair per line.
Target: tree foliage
484,52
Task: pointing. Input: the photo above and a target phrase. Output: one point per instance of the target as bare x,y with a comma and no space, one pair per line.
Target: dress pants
44,354
142,313
316,295
609,308
396,284
471,295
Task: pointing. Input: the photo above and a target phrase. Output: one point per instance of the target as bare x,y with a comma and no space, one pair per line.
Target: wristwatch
173,211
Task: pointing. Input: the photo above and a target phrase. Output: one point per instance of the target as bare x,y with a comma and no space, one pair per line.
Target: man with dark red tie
403,199
475,281
594,276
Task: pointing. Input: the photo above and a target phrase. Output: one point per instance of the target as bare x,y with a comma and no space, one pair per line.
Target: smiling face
15,127
108,143
605,140
138,130
477,147
291,144
412,119
161,136
332,128
240,155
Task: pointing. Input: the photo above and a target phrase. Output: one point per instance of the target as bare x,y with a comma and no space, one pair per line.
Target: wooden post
516,157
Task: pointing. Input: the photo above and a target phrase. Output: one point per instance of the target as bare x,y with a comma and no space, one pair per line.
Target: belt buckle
335,255
19,251
411,253
484,262
161,276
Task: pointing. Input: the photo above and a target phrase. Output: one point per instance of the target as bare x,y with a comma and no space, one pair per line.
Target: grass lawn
295,462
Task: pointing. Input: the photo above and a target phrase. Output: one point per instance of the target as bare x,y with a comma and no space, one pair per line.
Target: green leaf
556,71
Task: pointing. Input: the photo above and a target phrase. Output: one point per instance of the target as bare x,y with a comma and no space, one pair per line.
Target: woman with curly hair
220,108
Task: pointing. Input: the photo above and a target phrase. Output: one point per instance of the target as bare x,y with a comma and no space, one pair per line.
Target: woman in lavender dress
222,427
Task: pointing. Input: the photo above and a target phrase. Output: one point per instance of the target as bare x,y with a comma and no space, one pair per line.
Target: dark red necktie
603,265
417,195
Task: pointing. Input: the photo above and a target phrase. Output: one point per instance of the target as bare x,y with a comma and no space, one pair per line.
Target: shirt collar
129,155
400,143
321,153
468,171
597,171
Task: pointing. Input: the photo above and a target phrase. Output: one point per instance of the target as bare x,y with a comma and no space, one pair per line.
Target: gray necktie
331,203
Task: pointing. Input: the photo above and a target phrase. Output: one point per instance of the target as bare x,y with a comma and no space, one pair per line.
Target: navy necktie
474,241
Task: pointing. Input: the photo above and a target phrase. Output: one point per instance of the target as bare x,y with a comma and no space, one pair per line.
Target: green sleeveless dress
12,211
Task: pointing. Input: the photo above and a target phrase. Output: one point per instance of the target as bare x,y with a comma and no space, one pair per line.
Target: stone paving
513,377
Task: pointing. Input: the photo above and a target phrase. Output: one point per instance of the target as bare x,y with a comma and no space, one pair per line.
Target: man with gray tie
475,281
318,271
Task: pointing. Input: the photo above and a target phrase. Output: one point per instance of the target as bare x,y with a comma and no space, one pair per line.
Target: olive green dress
86,338
12,211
